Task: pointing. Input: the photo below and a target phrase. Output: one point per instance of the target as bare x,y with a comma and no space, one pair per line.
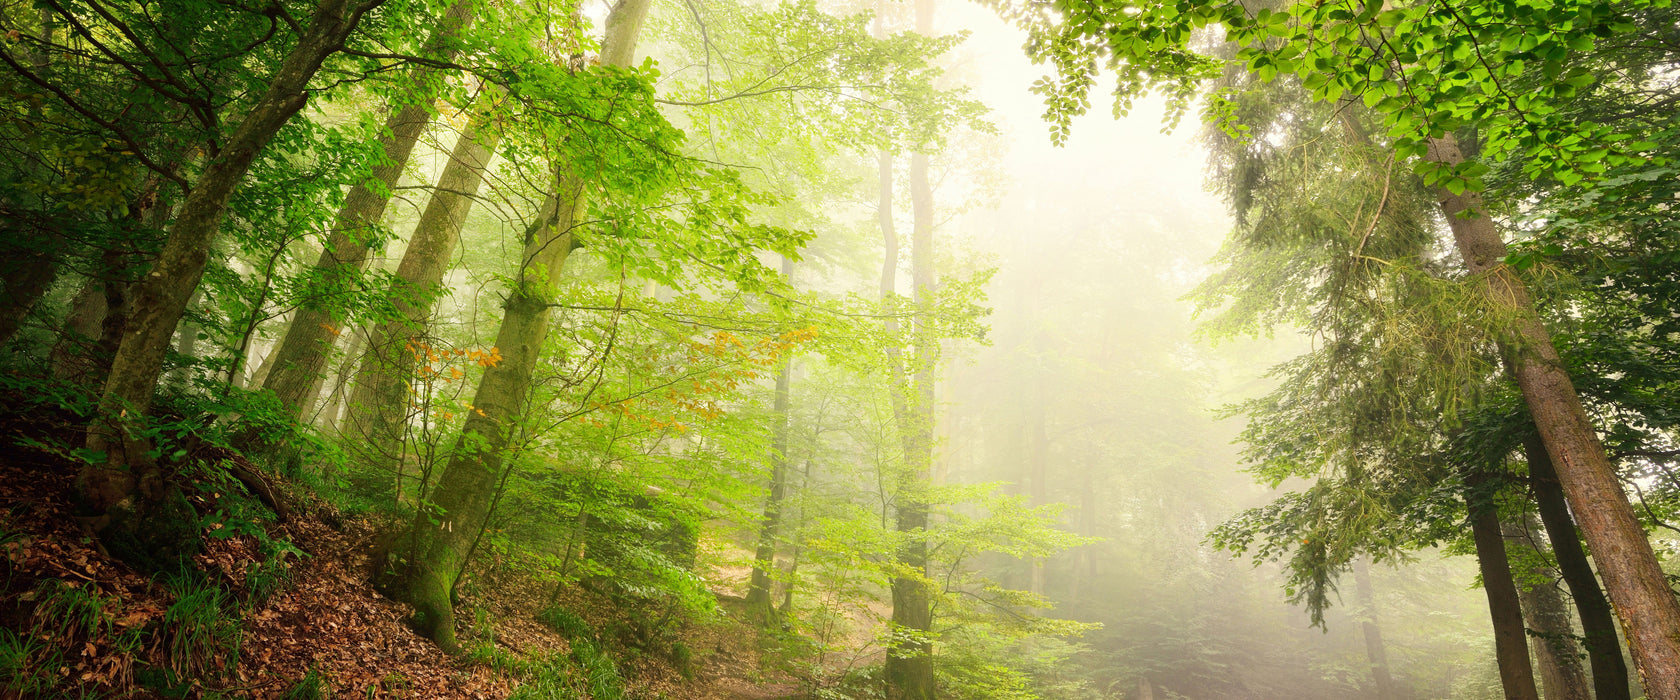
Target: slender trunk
792,576
379,402
1087,528
1145,689
301,356
28,272
1375,652
73,354
466,490
108,486
758,590
1598,621
118,304
1038,458
1510,638
328,418
186,343
1551,636
792,580
909,665
1635,581
27,280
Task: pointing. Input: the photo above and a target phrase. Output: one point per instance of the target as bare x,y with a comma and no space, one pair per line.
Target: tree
302,353
1429,74
110,484
379,398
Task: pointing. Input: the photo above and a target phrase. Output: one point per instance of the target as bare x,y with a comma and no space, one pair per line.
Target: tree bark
27,280
1551,636
764,558
379,402
301,355
1598,621
1635,582
1510,638
1375,652
108,486
73,354
467,488
909,665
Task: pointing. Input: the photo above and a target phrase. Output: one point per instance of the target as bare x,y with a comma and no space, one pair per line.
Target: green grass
66,610
553,678
567,623
312,686
201,634
25,665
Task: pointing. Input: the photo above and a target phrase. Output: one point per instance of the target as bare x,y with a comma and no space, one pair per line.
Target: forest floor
76,622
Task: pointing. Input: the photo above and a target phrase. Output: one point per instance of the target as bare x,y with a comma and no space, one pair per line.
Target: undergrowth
201,633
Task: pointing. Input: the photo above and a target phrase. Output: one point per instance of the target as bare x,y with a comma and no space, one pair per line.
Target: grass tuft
201,635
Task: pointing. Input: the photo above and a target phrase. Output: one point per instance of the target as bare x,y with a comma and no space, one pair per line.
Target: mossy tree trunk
108,487
1557,656
467,489
301,355
764,557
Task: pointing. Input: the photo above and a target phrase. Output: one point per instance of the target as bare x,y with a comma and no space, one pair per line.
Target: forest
840,349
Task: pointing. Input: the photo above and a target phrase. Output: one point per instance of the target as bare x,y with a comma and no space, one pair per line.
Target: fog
727,349
1096,391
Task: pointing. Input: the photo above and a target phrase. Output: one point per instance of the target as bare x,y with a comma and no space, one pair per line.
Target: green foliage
69,611
588,672
567,623
200,631
1425,70
598,673
312,686
25,668
553,678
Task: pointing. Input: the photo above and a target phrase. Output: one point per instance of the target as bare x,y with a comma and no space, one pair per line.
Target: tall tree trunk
764,559
186,342
1038,467
1635,581
1375,652
909,665
1551,636
462,498
73,354
108,486
1087,528
27,280
1598,622
467,488
379,400
28,274
1510,638
301,355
